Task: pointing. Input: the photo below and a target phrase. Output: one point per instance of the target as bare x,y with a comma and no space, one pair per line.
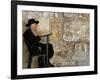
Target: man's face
33,26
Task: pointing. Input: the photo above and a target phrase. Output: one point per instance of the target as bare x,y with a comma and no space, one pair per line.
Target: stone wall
70,37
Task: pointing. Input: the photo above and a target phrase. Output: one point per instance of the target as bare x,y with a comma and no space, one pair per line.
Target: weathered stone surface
70,38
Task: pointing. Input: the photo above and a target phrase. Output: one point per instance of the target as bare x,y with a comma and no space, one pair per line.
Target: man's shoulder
26,32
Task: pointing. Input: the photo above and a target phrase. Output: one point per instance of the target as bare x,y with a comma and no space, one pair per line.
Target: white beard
34,32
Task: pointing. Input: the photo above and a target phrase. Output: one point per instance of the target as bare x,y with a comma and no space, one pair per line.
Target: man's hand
45,35
40,35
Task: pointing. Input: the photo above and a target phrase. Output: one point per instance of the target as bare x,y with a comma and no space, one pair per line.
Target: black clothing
35,47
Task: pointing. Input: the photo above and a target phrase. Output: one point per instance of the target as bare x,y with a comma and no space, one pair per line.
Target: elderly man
32,40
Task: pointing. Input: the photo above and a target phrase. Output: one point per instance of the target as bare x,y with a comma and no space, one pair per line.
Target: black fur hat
31,21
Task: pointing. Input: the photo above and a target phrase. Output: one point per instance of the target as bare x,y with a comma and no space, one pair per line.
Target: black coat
34,44
32,39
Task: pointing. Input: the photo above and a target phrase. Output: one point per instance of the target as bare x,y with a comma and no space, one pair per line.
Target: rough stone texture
70,37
